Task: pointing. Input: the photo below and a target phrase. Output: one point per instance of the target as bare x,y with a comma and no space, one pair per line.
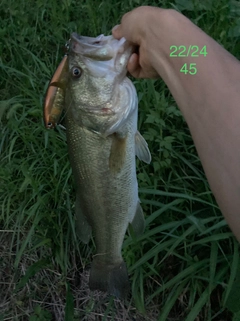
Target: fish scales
100,105
108,200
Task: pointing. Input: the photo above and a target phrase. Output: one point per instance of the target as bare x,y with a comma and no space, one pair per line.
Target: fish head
97,67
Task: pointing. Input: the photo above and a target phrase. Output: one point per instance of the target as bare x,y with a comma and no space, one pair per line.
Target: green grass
186,263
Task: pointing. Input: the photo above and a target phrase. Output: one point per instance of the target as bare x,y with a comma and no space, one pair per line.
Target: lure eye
76,72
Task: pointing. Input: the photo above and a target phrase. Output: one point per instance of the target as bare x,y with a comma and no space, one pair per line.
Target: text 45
189,69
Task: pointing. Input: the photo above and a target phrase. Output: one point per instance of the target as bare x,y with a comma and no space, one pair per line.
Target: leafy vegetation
186,263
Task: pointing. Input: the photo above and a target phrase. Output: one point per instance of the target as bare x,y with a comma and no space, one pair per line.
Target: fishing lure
54,100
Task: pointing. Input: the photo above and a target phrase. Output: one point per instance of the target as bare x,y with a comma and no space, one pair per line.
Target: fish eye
76,72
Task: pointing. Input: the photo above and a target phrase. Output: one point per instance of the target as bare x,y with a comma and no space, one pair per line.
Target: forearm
210,103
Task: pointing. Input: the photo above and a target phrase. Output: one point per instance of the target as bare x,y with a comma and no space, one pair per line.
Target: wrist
166,28
158,34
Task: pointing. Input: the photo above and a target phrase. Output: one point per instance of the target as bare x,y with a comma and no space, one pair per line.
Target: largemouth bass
101,125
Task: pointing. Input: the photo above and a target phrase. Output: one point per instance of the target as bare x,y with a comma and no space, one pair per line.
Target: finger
133,66
133,63
127,27
136,70
116,32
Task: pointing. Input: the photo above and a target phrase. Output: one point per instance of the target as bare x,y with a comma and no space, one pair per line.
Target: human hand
137,26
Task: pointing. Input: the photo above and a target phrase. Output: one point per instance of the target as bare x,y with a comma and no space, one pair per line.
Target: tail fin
109,278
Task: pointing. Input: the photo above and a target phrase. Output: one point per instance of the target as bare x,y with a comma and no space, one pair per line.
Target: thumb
117,32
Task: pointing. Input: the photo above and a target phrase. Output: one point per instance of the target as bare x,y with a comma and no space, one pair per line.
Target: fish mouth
91,41
99,48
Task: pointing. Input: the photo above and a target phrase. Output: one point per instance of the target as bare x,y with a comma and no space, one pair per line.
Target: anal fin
138,222
141,148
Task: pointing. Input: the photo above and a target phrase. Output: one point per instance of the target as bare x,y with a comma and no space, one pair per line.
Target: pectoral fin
138,222
118,153
141,148
83,228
